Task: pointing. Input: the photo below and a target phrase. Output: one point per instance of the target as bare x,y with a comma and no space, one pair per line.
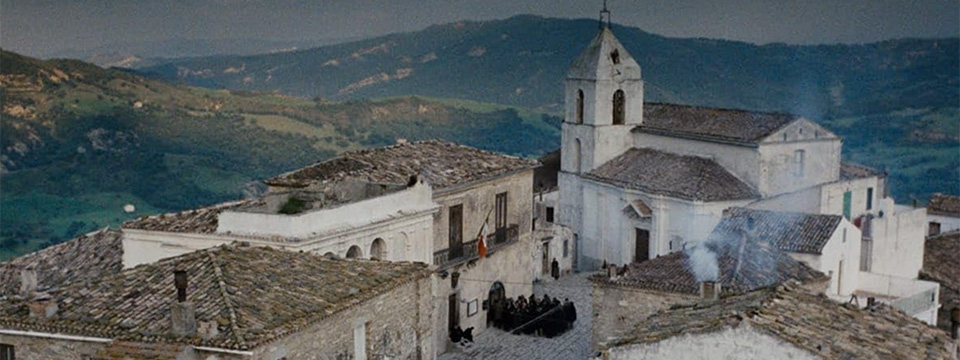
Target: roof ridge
218,279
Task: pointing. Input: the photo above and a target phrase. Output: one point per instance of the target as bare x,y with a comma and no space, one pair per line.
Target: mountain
78,142
523,61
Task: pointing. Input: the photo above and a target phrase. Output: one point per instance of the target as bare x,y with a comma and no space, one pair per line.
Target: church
640,180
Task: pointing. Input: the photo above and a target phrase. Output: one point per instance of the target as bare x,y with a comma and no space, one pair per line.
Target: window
675,242
869,198
576,156
501,216
934,228
549,214
6,352
784,136
846,204
579,106
866,253
360,342
798,161
455,226
615,56
566,246
844,235
619,101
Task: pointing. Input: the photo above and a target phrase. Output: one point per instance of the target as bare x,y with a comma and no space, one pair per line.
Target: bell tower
604,100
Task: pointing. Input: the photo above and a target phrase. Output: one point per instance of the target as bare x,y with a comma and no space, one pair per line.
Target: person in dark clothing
570,311
555,269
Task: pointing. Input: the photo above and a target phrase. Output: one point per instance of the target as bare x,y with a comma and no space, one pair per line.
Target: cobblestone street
574,344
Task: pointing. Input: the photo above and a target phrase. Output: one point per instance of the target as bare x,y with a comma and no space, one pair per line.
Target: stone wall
742,342
36,348
398,325
617,310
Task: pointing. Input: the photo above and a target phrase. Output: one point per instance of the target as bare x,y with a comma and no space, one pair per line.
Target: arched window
619,101
576,155
354,252
579,106
329,255
378,250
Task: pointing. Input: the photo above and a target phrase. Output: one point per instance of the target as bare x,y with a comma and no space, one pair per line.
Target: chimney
43,307
28,282
954,322
612,271
183,315
709,290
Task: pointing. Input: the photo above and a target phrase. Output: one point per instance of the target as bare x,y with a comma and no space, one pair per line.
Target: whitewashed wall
842,282
742,342
898,239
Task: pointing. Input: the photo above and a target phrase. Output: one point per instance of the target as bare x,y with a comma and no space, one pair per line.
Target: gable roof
595,62
807,321
443,164
712,124
679,176
758,265
85,257
792,232
253,295
941,204
851,171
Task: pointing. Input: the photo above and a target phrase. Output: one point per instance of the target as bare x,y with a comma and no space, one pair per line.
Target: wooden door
643,246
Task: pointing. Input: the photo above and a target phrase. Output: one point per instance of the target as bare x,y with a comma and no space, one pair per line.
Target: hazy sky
46,26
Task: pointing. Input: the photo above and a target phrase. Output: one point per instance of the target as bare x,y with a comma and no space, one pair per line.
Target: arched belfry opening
619,102
579,106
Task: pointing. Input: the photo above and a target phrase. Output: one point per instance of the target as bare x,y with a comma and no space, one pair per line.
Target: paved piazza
574,344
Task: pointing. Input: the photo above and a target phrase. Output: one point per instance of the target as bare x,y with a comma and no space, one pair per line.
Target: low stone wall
617,310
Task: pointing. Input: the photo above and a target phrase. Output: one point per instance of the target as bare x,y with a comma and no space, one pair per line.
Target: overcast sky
39,27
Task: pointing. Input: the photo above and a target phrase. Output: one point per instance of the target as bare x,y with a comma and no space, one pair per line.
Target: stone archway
495,302
354,252
378,250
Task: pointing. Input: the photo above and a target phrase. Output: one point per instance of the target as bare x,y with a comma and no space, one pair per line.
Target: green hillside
80,142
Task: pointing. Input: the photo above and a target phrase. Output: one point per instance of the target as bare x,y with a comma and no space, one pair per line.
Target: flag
482,237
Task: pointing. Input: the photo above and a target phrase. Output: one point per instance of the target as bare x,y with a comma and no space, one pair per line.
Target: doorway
545,261
453,311
495,302
642,246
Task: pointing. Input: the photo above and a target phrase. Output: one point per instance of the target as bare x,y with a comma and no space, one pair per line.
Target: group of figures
546,317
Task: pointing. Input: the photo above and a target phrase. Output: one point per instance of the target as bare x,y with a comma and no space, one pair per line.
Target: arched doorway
378,250
354,252
495,302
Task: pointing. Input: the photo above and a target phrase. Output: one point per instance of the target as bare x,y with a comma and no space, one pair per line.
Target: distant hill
523,60
78,142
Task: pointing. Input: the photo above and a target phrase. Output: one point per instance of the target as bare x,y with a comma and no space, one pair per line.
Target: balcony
917,298
468,251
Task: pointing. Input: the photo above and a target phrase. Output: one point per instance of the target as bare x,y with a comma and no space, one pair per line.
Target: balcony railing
468,251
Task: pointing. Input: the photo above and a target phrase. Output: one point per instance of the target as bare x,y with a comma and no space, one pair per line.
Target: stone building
780,322
625,296
231,302
943,214
941,264
642,180
555,241
472,188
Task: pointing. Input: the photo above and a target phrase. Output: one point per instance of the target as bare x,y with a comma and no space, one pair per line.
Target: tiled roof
941,263
850,171
807,321
86,257
443,164
252,295
201,221
737,126
668,174
760,265
792,232
545,175
941,204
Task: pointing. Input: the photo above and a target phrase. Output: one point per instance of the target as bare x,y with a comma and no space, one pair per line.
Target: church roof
851,171
86,257
597,62
251,295
668,174
712,124
759,265
811,322
793,232
941,204
443,165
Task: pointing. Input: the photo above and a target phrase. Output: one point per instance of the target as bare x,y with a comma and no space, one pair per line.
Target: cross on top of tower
603,12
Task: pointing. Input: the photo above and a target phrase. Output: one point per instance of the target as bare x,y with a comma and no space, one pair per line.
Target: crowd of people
546,316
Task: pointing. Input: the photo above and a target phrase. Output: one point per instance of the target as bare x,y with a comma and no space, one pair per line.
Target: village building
230,302
555,241
624,296
778,323
86,257
834,246
943,214
941,263
640,180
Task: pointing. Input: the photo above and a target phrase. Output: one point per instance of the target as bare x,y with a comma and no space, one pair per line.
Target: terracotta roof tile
941,204
252,295
807,321
738,126
86,257
679,176
792,232
443,164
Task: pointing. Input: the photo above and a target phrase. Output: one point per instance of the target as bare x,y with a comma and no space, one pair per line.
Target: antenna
604,12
